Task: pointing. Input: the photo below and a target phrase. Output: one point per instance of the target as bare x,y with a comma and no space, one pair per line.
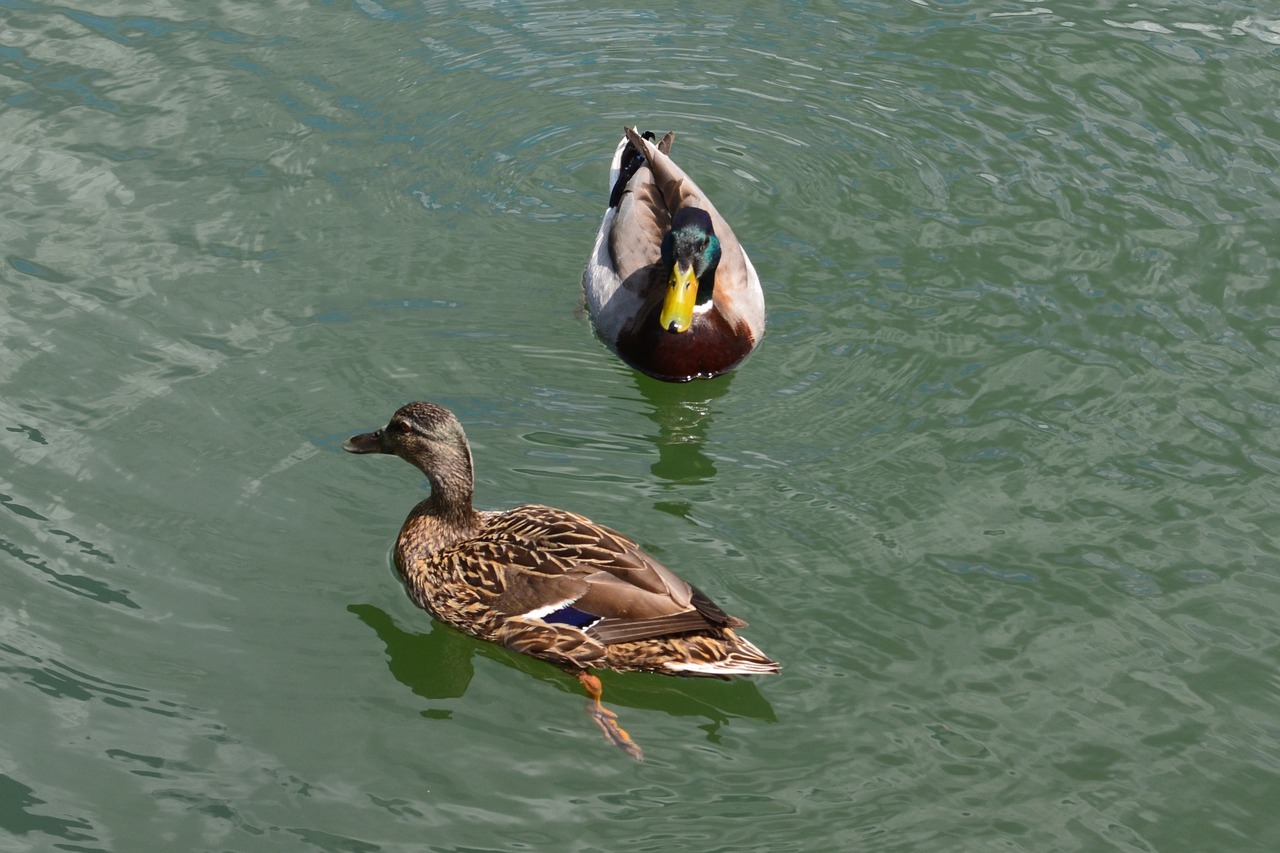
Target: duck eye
404,427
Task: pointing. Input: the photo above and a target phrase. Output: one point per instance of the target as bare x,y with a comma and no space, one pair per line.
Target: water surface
998,488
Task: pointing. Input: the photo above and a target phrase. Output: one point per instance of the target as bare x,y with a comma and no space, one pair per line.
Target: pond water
998,488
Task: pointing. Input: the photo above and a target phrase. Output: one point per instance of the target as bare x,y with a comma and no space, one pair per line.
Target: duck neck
707,280
451,491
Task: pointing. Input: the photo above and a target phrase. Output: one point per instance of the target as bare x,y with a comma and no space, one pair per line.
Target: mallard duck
547,582
669,287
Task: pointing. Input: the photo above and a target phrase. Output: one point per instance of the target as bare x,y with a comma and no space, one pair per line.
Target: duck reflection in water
683,414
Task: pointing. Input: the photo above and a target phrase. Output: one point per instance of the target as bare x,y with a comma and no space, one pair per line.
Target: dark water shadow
438,664
19,815
77,548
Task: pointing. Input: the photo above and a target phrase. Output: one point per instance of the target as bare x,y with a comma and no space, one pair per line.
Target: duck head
430,438
690,254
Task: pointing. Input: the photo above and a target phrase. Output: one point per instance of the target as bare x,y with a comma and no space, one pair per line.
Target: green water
998,489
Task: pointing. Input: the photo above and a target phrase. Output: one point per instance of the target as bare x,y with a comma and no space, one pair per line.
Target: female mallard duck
669,287
546,582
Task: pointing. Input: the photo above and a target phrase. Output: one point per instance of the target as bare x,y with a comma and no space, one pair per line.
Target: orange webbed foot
607,720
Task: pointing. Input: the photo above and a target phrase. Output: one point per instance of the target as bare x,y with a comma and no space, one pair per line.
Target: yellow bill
682,294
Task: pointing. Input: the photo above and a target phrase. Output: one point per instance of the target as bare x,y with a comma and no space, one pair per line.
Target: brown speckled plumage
509,576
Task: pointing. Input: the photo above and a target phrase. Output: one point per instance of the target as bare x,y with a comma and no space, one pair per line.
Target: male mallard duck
670,289
547,582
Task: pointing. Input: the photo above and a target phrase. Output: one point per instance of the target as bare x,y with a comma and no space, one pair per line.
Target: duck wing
641,217
563,568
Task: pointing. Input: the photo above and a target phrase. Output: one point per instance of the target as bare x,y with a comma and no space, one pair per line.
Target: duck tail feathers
739,657
629,157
